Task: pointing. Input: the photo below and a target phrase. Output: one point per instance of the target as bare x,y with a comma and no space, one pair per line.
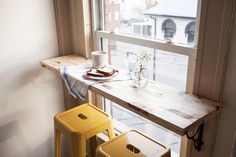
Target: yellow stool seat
132,144
79,124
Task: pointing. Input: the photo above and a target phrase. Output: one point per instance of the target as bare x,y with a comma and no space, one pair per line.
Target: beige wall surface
29,95
227,120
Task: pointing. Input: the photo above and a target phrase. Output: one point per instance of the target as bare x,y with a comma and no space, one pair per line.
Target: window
161,61
156,22
190,32
147,30
169,29
145,25
137,29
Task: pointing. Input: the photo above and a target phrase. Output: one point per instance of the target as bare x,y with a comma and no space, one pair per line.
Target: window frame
98,27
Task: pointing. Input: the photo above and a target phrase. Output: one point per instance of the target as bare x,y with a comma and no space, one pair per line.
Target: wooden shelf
159,103
54,64
172,109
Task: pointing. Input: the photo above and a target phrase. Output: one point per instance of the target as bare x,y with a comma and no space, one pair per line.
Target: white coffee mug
99,59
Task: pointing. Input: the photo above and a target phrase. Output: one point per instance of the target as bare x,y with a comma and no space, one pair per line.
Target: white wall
29,95
227,121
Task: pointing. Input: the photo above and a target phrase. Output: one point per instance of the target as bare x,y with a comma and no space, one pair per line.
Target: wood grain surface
172,109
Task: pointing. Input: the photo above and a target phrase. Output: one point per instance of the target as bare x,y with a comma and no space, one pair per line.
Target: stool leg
110,130
93,145
78,146
57,143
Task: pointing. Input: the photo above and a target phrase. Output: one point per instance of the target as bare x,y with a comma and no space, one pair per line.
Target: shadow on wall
233,154
9,133
27,111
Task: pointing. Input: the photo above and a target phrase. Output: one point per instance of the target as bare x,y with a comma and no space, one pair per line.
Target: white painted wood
147,42
185,147
191,73
213,45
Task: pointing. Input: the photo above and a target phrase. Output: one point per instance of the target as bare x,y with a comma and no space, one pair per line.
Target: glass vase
140,83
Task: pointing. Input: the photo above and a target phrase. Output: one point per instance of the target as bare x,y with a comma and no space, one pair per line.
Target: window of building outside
171,63
147,30
169,29
137,29
190,31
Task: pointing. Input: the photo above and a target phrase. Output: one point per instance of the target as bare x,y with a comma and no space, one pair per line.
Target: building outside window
171,23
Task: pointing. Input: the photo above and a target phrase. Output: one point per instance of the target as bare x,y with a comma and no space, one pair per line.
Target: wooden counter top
159,103
174,110
54,64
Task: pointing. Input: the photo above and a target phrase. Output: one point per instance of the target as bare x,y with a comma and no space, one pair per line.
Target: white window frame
189,51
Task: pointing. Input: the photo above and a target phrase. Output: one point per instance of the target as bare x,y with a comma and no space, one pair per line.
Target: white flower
141,64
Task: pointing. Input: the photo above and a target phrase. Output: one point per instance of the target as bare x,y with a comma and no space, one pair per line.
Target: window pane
159,19
171,69
124,120
166,67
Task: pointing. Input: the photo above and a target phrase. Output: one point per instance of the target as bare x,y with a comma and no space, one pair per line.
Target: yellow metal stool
79,124
132,144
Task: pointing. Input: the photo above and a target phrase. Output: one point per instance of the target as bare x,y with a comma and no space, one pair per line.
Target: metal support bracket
197,138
